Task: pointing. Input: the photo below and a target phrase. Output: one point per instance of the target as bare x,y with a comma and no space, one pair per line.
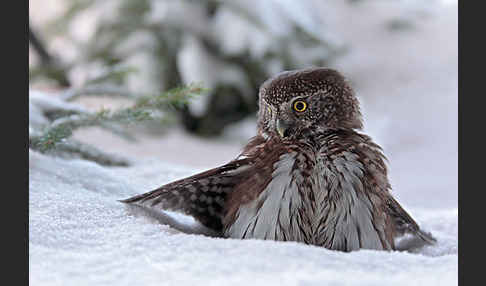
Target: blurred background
399,55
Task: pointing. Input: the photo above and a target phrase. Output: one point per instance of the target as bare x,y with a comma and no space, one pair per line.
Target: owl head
312,98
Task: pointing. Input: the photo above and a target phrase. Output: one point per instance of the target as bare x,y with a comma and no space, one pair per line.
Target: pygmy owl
307,176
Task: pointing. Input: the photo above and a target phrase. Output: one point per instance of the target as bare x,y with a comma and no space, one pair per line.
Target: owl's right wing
202,195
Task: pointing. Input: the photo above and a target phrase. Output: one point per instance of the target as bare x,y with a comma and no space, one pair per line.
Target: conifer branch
91,153
146,108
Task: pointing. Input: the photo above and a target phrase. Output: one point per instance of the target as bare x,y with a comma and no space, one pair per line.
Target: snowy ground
80,235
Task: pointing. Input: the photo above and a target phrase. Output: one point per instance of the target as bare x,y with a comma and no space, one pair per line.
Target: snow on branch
55,136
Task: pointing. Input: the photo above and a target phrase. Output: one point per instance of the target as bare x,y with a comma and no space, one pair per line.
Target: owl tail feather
426,237
404,224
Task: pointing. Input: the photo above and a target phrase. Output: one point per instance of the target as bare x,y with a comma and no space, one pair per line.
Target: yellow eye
300,106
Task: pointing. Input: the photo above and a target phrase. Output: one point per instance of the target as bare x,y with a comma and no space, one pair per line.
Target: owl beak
282,127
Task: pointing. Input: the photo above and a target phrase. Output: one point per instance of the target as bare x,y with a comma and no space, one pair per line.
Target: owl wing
202,195
403,223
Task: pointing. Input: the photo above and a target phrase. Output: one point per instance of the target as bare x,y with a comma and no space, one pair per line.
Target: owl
307,176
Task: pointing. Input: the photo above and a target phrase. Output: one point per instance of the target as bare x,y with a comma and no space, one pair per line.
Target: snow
41,103
79,234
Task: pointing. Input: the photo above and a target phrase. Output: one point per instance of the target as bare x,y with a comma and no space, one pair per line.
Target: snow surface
79,234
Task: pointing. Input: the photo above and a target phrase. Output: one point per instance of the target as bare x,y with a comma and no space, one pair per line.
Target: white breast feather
348,220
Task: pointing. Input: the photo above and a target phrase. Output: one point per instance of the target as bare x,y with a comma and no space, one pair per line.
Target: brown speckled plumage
306,176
